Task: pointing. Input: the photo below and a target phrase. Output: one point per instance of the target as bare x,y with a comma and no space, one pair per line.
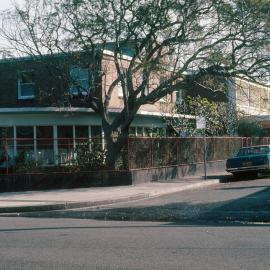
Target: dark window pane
25,143
80,80
25,132
27,77
65,136
65,144
45,152
6,132
65,132
139,131
96,131
26,84
81,131
45,136
44,132
27,90
132,131
6,144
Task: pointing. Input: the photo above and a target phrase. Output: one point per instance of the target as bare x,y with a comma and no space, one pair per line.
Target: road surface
28,243
245,201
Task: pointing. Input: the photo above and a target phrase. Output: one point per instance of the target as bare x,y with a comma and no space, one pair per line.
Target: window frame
20,84
77,83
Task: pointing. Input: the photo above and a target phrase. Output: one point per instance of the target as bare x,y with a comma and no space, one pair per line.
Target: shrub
248,127
90,156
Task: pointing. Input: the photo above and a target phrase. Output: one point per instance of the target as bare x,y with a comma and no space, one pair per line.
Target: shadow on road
242,188
254,207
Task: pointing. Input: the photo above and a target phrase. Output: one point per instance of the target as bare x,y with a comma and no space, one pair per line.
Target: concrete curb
69,205
72,205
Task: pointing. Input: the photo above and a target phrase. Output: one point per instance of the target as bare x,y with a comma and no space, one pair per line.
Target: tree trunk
117,152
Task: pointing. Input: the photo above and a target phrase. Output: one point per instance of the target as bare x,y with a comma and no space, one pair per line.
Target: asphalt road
244,201
28,243
218,227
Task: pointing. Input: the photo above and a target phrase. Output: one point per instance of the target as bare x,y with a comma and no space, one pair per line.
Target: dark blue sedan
250,161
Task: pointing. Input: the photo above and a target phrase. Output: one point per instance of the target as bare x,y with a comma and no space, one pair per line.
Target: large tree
174,38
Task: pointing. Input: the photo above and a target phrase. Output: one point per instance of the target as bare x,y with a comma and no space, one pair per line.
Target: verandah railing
137,153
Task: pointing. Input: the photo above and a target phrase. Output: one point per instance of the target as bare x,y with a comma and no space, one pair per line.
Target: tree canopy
176,39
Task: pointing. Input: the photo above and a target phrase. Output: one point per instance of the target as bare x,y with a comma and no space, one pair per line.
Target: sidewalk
29,201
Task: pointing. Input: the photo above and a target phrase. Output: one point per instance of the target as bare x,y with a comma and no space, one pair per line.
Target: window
81,134
26,85
6,143
65,144
96,131
132,131
25,143
44,144
6,133
140,131
80,81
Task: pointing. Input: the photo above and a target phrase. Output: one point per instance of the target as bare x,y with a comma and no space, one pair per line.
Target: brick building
252,99
38,105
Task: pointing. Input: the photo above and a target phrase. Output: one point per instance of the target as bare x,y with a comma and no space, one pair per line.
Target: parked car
250,161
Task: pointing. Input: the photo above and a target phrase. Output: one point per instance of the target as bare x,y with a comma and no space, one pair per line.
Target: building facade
43,113
252,99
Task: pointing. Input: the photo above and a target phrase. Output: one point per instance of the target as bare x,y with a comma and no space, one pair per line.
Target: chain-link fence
30,155
155,152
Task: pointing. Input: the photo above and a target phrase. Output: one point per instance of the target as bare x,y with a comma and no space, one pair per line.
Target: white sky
6,4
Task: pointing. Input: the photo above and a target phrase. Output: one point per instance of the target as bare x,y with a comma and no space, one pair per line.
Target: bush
90,156
28,166
248,127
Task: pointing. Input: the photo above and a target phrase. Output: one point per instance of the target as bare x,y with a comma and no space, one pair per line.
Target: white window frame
79,81
20,96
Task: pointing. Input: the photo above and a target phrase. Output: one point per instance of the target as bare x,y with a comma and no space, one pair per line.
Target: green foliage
184,34
248,127
214,113
90,156
28,166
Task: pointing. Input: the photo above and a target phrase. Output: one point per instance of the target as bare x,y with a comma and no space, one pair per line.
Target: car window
253,151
